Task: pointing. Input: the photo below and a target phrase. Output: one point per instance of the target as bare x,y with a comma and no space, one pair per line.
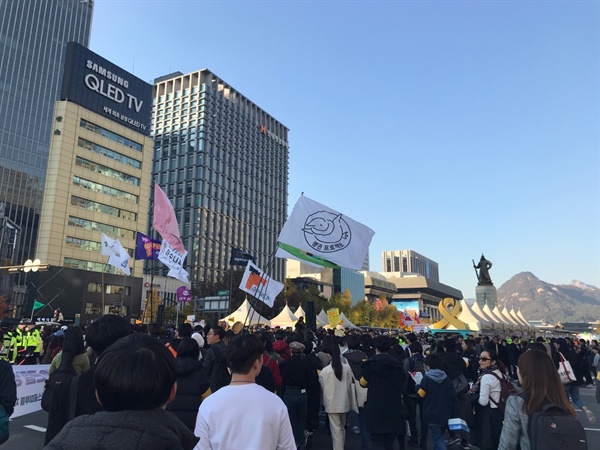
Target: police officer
18,343
33,344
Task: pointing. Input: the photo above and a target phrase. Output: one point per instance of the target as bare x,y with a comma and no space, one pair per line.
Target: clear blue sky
450,128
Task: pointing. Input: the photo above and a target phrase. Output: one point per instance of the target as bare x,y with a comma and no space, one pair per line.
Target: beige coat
336,393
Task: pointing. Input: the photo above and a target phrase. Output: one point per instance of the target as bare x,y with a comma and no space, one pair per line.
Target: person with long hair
485,394
572,388
540,386
336,385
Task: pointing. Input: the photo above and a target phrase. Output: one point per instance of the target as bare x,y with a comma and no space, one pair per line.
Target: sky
451,128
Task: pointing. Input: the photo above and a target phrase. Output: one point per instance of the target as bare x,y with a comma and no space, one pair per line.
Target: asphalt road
27,432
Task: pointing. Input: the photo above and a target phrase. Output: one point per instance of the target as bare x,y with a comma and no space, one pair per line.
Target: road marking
35,428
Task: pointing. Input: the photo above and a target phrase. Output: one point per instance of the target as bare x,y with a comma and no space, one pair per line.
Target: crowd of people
208,387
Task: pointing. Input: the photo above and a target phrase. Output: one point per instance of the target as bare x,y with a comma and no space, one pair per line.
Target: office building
399,262
223,163
33,43
98,181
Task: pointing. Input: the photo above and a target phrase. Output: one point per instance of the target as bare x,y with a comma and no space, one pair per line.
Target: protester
541,385
8,394
215,362
356,358
440,403
485,394
572,388
81,362
135,380
192,385
296,375
384,377
259,422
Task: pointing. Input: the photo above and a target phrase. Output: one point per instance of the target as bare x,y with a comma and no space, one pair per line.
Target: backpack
552,428
506,390
416,363
460,384
58,383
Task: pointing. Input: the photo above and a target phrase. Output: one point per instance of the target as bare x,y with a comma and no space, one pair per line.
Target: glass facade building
409,261
33,42
223,163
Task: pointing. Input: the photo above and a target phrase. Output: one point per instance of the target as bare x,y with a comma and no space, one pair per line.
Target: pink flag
165,221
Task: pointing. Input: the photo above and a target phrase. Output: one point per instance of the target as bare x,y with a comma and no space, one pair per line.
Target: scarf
490,369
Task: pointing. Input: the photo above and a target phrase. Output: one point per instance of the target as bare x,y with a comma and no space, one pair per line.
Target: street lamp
28,266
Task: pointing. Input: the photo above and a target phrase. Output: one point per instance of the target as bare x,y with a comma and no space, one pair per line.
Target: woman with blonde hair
541,385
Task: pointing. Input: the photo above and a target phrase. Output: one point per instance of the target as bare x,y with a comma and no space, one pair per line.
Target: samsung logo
106,73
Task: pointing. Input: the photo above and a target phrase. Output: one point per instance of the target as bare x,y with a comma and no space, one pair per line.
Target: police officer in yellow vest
7,338
33,344
18,343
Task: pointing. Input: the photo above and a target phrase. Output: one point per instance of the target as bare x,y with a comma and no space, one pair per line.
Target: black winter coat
191,384
385,377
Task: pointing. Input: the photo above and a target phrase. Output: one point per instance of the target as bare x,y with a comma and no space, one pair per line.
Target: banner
174,261
145,247
260,285
164,219
324,232
239,258
333,315
30,382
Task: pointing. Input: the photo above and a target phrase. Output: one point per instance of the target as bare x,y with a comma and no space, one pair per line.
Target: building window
89,145
110,135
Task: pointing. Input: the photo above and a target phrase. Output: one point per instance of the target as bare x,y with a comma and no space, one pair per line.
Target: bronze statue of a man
484,275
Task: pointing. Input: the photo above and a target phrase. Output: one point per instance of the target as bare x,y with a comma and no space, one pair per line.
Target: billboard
104,88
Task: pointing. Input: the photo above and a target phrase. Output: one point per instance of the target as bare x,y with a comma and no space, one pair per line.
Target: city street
27,432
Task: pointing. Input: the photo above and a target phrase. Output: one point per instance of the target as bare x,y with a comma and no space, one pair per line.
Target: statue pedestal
486,294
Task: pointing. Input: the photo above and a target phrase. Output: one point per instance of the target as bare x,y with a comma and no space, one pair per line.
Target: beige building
98,181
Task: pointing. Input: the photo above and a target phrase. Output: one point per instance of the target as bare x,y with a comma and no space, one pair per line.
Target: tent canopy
285,318
322,319
246,314
345,322
300,312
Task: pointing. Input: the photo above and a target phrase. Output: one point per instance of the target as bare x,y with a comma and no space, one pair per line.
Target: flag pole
105,266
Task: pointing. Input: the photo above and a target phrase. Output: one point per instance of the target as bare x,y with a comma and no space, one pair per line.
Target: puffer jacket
191,384
154,429
384,376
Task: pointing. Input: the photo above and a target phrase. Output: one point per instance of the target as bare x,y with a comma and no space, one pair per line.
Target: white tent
285,318
300,312
345,322
467,316
322,319
481,313
246,314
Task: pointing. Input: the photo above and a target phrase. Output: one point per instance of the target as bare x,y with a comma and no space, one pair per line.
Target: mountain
538,300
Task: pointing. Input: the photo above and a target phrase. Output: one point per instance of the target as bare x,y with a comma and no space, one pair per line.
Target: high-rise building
33,43
409,261
97,182
223,163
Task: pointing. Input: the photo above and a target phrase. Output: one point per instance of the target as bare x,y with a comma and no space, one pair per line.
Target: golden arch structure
450,310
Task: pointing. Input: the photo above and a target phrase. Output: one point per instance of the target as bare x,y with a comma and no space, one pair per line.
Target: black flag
239,258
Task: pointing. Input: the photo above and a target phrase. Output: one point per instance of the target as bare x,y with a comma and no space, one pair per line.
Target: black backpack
553,428
58,383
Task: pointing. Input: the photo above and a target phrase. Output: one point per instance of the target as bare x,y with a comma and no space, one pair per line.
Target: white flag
324,232
257,283
118,256
109,246
174,261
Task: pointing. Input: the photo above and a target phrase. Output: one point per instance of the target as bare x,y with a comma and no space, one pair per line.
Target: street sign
223,293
